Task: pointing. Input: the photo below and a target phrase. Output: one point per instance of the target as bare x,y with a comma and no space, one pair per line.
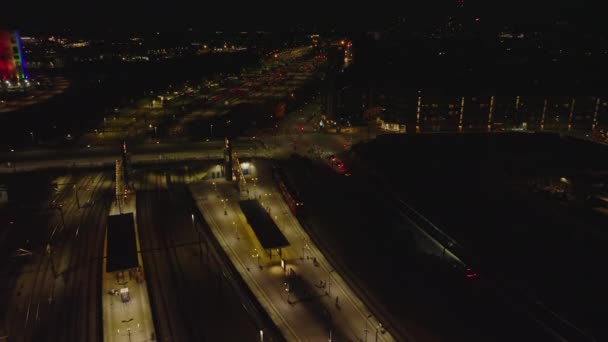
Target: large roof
122,249
264,227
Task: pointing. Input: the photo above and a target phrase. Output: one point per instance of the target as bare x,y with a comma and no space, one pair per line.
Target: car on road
470,273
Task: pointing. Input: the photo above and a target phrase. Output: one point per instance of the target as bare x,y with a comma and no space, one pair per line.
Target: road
105,156
309,143
182,109
37,96
313,314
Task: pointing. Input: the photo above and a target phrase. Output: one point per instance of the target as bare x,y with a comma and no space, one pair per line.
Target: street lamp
329,282
76,192
261,335
379,327
366,330
32,134
257,256
304,248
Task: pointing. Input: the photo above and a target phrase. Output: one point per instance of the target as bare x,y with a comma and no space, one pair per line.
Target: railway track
157,287
51,286
35,313
77,297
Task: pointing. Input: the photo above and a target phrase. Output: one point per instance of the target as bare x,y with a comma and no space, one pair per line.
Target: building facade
12,61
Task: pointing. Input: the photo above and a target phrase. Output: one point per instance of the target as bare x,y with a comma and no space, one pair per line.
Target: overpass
106,155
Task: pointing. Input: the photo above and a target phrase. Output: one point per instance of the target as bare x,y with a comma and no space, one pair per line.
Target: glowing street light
329,282
236,231
257,256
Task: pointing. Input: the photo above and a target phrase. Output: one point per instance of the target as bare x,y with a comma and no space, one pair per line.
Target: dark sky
251,15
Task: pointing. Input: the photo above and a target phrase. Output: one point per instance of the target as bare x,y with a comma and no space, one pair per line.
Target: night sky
274,15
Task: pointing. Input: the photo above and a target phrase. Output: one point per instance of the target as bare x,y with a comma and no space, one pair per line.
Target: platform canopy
264,227
122,248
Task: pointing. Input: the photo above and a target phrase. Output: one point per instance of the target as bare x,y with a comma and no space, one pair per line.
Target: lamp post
261,335
257,256
200,244
32,135
329,282
366,330
60,208
377,329
76,192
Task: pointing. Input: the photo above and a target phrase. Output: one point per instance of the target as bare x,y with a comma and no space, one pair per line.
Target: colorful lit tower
12,61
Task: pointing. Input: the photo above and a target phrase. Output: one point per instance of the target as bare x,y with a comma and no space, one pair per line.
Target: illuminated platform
127,314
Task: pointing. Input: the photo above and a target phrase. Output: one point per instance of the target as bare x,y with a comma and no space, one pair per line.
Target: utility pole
490,113
49,251
76,192
461,117
542,116
516,118
58,207
418,107
329,283
571,116
597,108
